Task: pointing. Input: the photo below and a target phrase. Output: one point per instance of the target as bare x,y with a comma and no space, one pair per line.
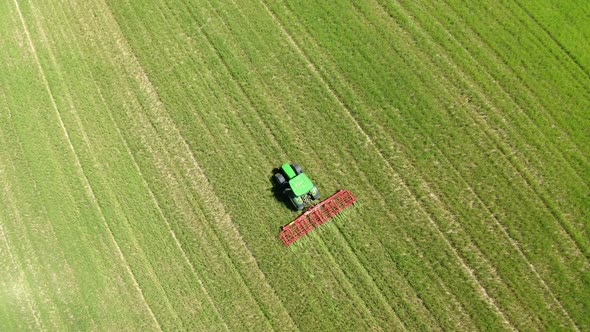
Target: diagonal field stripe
38,194
194,172
86,183
511,240
161,213
503,228
14,262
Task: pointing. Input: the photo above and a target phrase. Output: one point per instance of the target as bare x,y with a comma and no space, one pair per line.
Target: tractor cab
299,183
293,183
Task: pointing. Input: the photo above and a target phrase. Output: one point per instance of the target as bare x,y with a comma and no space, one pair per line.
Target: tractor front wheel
297,201
314,193
279,179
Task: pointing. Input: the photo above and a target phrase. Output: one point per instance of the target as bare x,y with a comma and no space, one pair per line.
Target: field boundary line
314,69
512,241
87,185
216,207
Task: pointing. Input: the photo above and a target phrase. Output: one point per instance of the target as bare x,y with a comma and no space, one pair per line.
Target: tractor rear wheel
279,179
298,170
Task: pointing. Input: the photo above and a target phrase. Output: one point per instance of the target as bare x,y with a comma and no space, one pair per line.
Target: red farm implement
316,215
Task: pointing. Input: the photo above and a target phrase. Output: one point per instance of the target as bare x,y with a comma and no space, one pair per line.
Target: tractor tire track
461,305
287,115
21,278
146,185
261,122
89,146
45,299
483,43
37,192
512,241
161,213
556,41
510,151
86,183
541,44
515,245
513,101
159,209
86,140
529,180
21,274
252,102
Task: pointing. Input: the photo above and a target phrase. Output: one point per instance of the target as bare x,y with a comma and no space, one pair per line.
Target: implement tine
316,216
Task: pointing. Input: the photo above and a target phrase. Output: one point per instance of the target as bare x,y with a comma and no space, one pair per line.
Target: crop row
158,124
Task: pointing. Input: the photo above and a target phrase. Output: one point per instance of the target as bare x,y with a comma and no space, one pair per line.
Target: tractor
291,182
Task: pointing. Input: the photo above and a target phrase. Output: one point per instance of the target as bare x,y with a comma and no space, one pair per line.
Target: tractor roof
288,170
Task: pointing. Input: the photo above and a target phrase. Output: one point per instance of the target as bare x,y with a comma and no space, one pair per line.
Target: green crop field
137,141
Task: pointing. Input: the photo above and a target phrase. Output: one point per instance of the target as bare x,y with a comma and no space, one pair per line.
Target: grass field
137,140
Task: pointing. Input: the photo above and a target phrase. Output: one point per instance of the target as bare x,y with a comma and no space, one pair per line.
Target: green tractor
290,181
